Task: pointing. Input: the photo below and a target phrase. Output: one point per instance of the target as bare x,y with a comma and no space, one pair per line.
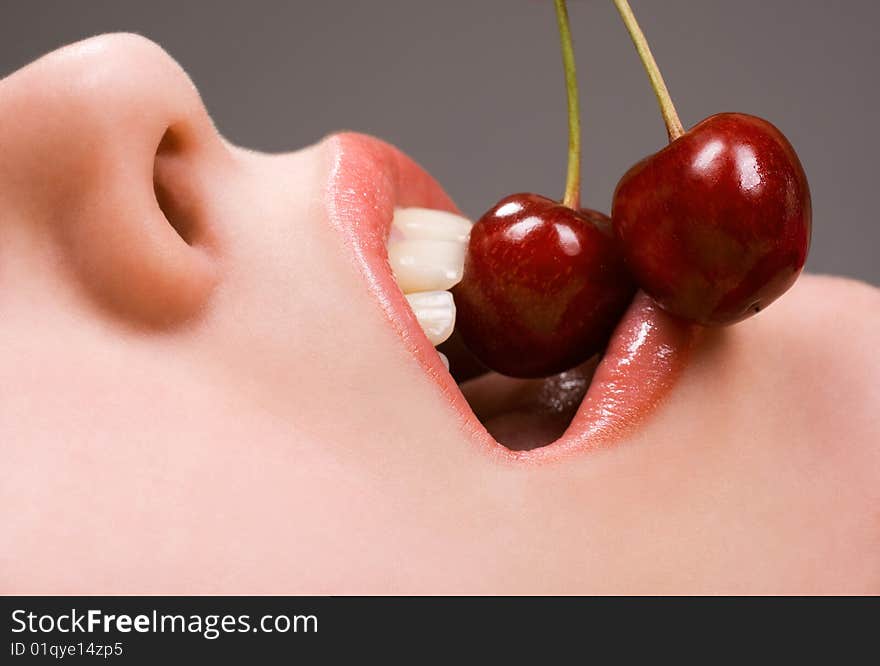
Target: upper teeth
426,265
426,251
435,311
427,224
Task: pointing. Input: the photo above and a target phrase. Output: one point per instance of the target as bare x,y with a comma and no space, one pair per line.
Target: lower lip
644,359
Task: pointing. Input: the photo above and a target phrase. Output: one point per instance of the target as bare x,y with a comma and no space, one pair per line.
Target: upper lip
368,179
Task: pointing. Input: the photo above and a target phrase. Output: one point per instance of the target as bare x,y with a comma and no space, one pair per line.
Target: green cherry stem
572,197
670,117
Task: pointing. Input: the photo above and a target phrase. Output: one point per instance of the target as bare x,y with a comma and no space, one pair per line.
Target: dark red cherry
543,286
716,225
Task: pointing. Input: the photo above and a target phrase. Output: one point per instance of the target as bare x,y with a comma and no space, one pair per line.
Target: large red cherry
716,225
543,286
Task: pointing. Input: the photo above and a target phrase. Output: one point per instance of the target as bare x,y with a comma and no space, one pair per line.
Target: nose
106,147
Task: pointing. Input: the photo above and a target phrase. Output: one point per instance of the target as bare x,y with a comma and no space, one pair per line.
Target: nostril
172,186
114,115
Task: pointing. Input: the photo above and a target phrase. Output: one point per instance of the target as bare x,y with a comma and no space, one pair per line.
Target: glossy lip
368,179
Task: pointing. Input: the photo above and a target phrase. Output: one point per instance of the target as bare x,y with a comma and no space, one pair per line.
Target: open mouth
591,406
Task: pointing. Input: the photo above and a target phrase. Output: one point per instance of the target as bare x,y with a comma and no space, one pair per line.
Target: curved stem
572,195
670,117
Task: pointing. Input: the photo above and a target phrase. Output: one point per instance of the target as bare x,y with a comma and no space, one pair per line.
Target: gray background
474,90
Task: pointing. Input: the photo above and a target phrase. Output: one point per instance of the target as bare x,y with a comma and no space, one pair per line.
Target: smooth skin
235,414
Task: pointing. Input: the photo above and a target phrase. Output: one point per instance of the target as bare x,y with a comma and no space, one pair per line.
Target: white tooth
427,224
443,359
435,311
395,235
426,265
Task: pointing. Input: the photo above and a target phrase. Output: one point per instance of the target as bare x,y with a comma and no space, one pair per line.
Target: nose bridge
79,159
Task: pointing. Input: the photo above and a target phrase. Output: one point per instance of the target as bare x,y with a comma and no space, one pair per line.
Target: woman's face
211,383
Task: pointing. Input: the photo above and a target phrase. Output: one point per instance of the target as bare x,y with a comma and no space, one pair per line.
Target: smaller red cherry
543,286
